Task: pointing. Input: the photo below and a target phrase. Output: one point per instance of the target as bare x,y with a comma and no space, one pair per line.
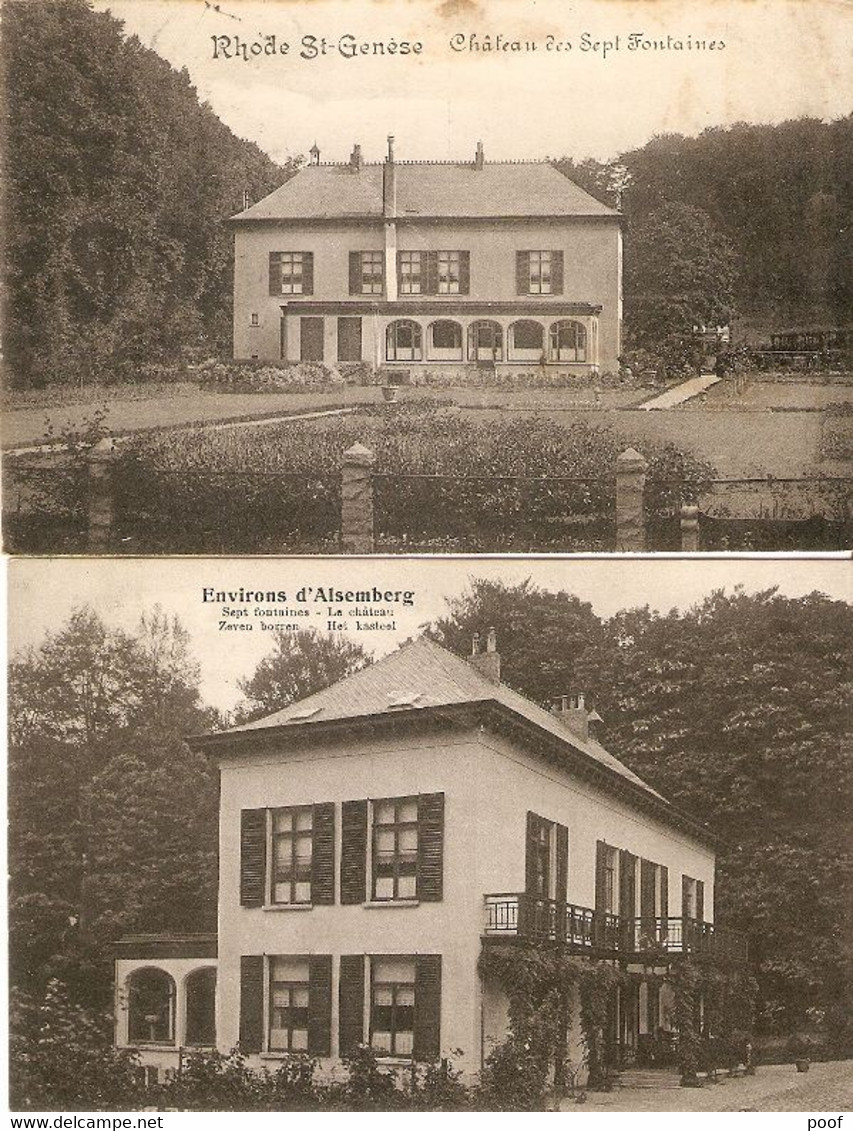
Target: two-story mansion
377,836
429,264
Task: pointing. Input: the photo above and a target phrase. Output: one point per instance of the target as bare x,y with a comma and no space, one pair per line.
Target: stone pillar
100,508
689,529
630,488
357,500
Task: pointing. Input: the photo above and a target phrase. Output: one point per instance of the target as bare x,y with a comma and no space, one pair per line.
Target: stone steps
656,1078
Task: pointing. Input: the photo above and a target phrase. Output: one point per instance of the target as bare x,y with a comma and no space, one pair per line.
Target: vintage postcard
482,835
427,276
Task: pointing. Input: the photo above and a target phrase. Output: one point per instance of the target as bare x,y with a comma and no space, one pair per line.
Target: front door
487,341
349,339
311,347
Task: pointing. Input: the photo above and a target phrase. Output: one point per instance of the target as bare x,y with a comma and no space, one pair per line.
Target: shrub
513,1078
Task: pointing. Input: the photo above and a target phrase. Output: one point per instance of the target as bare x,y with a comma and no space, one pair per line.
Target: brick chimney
479,159
487,663
355,159
572,711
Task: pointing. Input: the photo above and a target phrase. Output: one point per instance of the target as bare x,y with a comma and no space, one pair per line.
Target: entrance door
487,341
349,339
311,347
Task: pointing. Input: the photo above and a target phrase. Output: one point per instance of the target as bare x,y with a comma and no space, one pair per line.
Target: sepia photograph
431,276
341,835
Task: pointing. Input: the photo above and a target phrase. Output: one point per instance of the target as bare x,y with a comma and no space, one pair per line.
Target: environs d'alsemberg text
351,46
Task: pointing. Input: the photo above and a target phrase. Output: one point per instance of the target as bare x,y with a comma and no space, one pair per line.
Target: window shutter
350,1003
253,857
556,272
700,901
647,889
430,272
464,272
600,876
561,878
353,851
627,885
522,272
323,854
427,1033
562,869
320,1005
430,846
308,272
685,897
664,893
533,821
275,272
251,1002
355,272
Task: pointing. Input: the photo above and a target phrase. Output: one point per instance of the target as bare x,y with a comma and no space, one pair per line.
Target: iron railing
511,914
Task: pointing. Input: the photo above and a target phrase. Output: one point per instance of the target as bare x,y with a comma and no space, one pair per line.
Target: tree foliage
299,664
738,711
118,183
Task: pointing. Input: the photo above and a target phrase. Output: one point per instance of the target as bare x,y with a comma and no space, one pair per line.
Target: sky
44,592
587,88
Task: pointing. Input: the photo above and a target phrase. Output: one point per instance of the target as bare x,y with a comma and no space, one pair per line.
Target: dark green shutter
562,877
700,901
320,1005
308,272
522,272
647,890
429,267
600,877
251,1002
253,856
430,846
531,836
427,1034
323,854
350,1003
353,852
556,272
355,272
627,885
464,272
664,894
275,272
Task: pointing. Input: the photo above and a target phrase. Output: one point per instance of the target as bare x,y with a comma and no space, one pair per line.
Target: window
201,1008
403,341
448,272
433,272
289,999
151,1007
527,340
392,1006
540,849
445,341
291,273
292,851
253,320
539,272
692,898
410,281
287,855
395,848
568,341
371,272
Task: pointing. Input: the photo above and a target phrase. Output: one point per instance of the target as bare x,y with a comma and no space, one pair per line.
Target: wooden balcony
516,915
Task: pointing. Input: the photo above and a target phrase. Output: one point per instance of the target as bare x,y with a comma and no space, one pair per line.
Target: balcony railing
546,920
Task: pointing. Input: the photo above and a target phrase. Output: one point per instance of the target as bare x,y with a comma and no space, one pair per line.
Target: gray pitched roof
427,189
423,674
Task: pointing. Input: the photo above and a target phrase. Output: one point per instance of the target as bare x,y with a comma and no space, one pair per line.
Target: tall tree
298,664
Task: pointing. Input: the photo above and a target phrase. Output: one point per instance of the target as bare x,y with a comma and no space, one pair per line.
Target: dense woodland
119,182
738,710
